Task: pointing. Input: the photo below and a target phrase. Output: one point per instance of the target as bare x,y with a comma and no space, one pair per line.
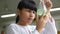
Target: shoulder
11,29
11,26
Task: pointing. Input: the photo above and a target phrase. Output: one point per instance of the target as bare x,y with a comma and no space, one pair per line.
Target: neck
22,23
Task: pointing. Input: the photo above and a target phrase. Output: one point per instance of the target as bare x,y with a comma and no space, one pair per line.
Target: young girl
26,12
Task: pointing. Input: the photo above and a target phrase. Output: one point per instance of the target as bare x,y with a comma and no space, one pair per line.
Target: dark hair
29,4
17,18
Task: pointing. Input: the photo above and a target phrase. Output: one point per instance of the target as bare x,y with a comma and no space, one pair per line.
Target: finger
42,14
37,17
46,17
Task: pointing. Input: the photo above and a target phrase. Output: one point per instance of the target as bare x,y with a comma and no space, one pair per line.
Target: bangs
30,6
27,4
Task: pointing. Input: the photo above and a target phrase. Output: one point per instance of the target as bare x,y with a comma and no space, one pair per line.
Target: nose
31,14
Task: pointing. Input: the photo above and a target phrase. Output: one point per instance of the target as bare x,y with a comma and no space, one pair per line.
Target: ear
18,12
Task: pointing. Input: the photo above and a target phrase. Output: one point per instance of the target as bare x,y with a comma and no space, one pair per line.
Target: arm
50,27
35,32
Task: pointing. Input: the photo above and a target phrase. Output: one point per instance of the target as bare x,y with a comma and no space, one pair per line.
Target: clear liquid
41,9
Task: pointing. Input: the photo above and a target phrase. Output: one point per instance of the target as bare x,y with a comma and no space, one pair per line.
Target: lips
30,19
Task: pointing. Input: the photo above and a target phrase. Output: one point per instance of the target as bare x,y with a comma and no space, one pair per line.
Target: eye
33,11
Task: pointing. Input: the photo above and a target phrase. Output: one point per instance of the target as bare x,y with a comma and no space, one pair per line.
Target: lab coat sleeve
10,30
35,32
50,27
33,29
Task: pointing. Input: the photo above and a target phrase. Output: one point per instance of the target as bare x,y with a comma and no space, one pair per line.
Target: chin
30,22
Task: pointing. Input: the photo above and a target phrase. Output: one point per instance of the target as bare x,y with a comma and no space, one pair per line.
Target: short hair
29,4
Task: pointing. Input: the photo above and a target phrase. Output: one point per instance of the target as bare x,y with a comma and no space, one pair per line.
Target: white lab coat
50,28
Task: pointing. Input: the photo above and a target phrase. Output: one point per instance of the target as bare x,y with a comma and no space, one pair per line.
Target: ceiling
9,7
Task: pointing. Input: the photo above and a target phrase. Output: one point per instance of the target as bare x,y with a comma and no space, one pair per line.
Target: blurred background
8,12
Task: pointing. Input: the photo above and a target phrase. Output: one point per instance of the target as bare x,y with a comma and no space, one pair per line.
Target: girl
26,11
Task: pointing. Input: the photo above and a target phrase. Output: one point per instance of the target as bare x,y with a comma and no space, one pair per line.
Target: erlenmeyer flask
41,8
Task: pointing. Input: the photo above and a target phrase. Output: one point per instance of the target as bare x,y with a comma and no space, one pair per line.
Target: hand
40,22
48,4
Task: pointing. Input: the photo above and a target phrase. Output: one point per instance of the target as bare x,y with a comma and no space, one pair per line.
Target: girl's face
27,15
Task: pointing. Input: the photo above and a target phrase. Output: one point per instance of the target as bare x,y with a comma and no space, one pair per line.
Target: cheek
25,15
33,16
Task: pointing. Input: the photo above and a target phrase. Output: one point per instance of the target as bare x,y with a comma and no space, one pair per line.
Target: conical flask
41,8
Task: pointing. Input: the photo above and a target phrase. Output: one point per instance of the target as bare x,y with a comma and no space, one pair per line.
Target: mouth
30,19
